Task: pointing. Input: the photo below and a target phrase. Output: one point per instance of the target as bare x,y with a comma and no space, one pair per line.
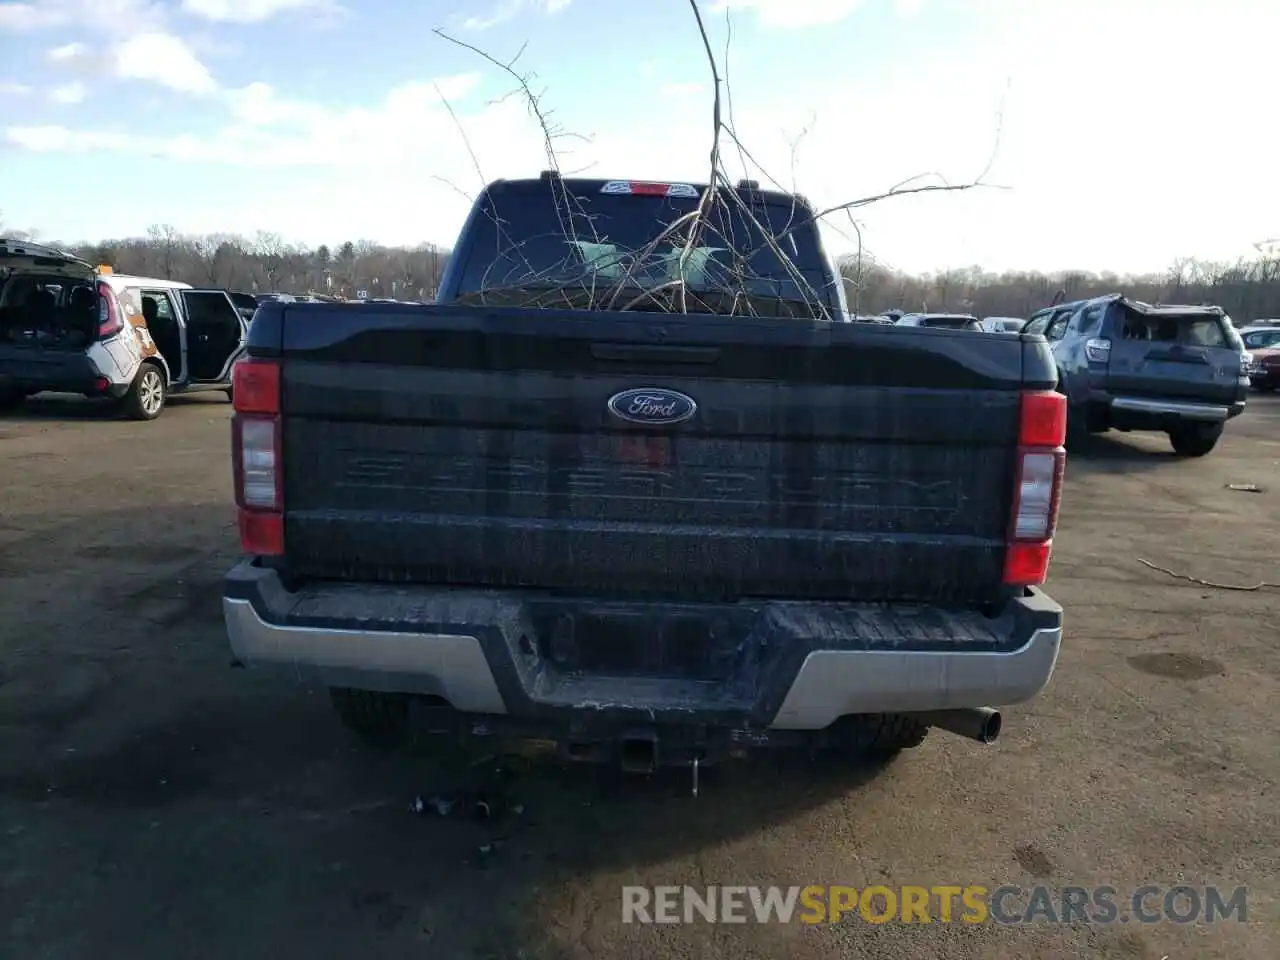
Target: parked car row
1127,365
953,321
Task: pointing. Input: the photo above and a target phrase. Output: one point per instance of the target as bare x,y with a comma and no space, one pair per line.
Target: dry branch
1241,588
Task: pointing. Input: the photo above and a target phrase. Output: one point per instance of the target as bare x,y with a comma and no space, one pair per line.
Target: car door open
213,333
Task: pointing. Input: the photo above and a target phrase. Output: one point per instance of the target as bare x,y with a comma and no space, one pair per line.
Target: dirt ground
155,802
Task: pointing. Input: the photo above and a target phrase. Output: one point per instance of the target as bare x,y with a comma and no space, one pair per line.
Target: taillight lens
259,471
1036,497
1098,351
109,320
255,456
1042,419
1037,488
255,386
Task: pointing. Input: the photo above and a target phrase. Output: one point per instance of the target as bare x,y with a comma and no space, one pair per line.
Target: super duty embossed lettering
688,481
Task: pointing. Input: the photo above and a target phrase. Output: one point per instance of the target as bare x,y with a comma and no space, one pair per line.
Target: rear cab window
550,236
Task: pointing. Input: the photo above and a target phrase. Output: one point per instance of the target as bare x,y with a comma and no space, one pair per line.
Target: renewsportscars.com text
939,904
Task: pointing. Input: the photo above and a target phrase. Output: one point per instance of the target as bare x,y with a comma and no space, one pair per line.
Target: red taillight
255,456
1042,421
1027,564
109,320
1037,487
255,386
261,534
639,189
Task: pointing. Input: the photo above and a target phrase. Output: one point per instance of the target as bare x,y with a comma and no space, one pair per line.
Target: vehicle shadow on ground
74,407
265,784
1109,452
189,764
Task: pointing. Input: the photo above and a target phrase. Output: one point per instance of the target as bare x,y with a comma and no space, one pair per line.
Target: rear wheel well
159,361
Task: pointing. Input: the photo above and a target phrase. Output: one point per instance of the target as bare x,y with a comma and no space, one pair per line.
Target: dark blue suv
1129,365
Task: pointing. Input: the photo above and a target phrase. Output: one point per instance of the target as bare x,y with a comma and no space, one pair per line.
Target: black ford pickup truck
549,509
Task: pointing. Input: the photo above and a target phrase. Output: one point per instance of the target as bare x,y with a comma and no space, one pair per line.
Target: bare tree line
267,263
1247,289
264,263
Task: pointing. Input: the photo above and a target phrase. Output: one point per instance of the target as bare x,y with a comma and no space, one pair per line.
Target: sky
1108,134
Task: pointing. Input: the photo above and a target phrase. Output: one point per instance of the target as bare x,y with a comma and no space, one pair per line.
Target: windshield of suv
530,238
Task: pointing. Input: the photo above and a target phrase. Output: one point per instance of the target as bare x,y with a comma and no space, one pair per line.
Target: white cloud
254,11
110,15
13,89
29,16
266,130
510,9
164,59
133,41
792,14
67,52
68,93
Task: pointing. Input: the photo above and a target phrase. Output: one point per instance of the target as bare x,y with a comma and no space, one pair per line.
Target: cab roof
612,185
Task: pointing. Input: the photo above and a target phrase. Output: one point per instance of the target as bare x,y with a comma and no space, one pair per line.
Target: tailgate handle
654,352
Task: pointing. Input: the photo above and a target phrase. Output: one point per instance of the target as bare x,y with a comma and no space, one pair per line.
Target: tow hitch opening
640,752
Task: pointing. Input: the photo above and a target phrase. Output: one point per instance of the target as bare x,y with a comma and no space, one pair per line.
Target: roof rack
748,184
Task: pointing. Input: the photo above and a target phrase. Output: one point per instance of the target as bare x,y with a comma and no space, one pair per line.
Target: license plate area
671,641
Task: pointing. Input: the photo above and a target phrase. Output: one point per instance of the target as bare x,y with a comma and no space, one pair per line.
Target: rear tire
147,394
879,735
380,719
896,732
1195,440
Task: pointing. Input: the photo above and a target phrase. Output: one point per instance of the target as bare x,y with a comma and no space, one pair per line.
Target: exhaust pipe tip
991,726
981,724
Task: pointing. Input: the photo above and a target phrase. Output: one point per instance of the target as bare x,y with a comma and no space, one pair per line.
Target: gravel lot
157,803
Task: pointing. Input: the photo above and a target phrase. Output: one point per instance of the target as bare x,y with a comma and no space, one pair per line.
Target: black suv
1129,365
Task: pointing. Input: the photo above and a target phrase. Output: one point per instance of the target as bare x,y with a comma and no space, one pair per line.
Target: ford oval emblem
652,406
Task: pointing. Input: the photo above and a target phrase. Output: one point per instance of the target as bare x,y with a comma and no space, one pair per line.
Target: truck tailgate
477,447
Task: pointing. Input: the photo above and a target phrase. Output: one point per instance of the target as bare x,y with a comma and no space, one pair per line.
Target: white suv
69,327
